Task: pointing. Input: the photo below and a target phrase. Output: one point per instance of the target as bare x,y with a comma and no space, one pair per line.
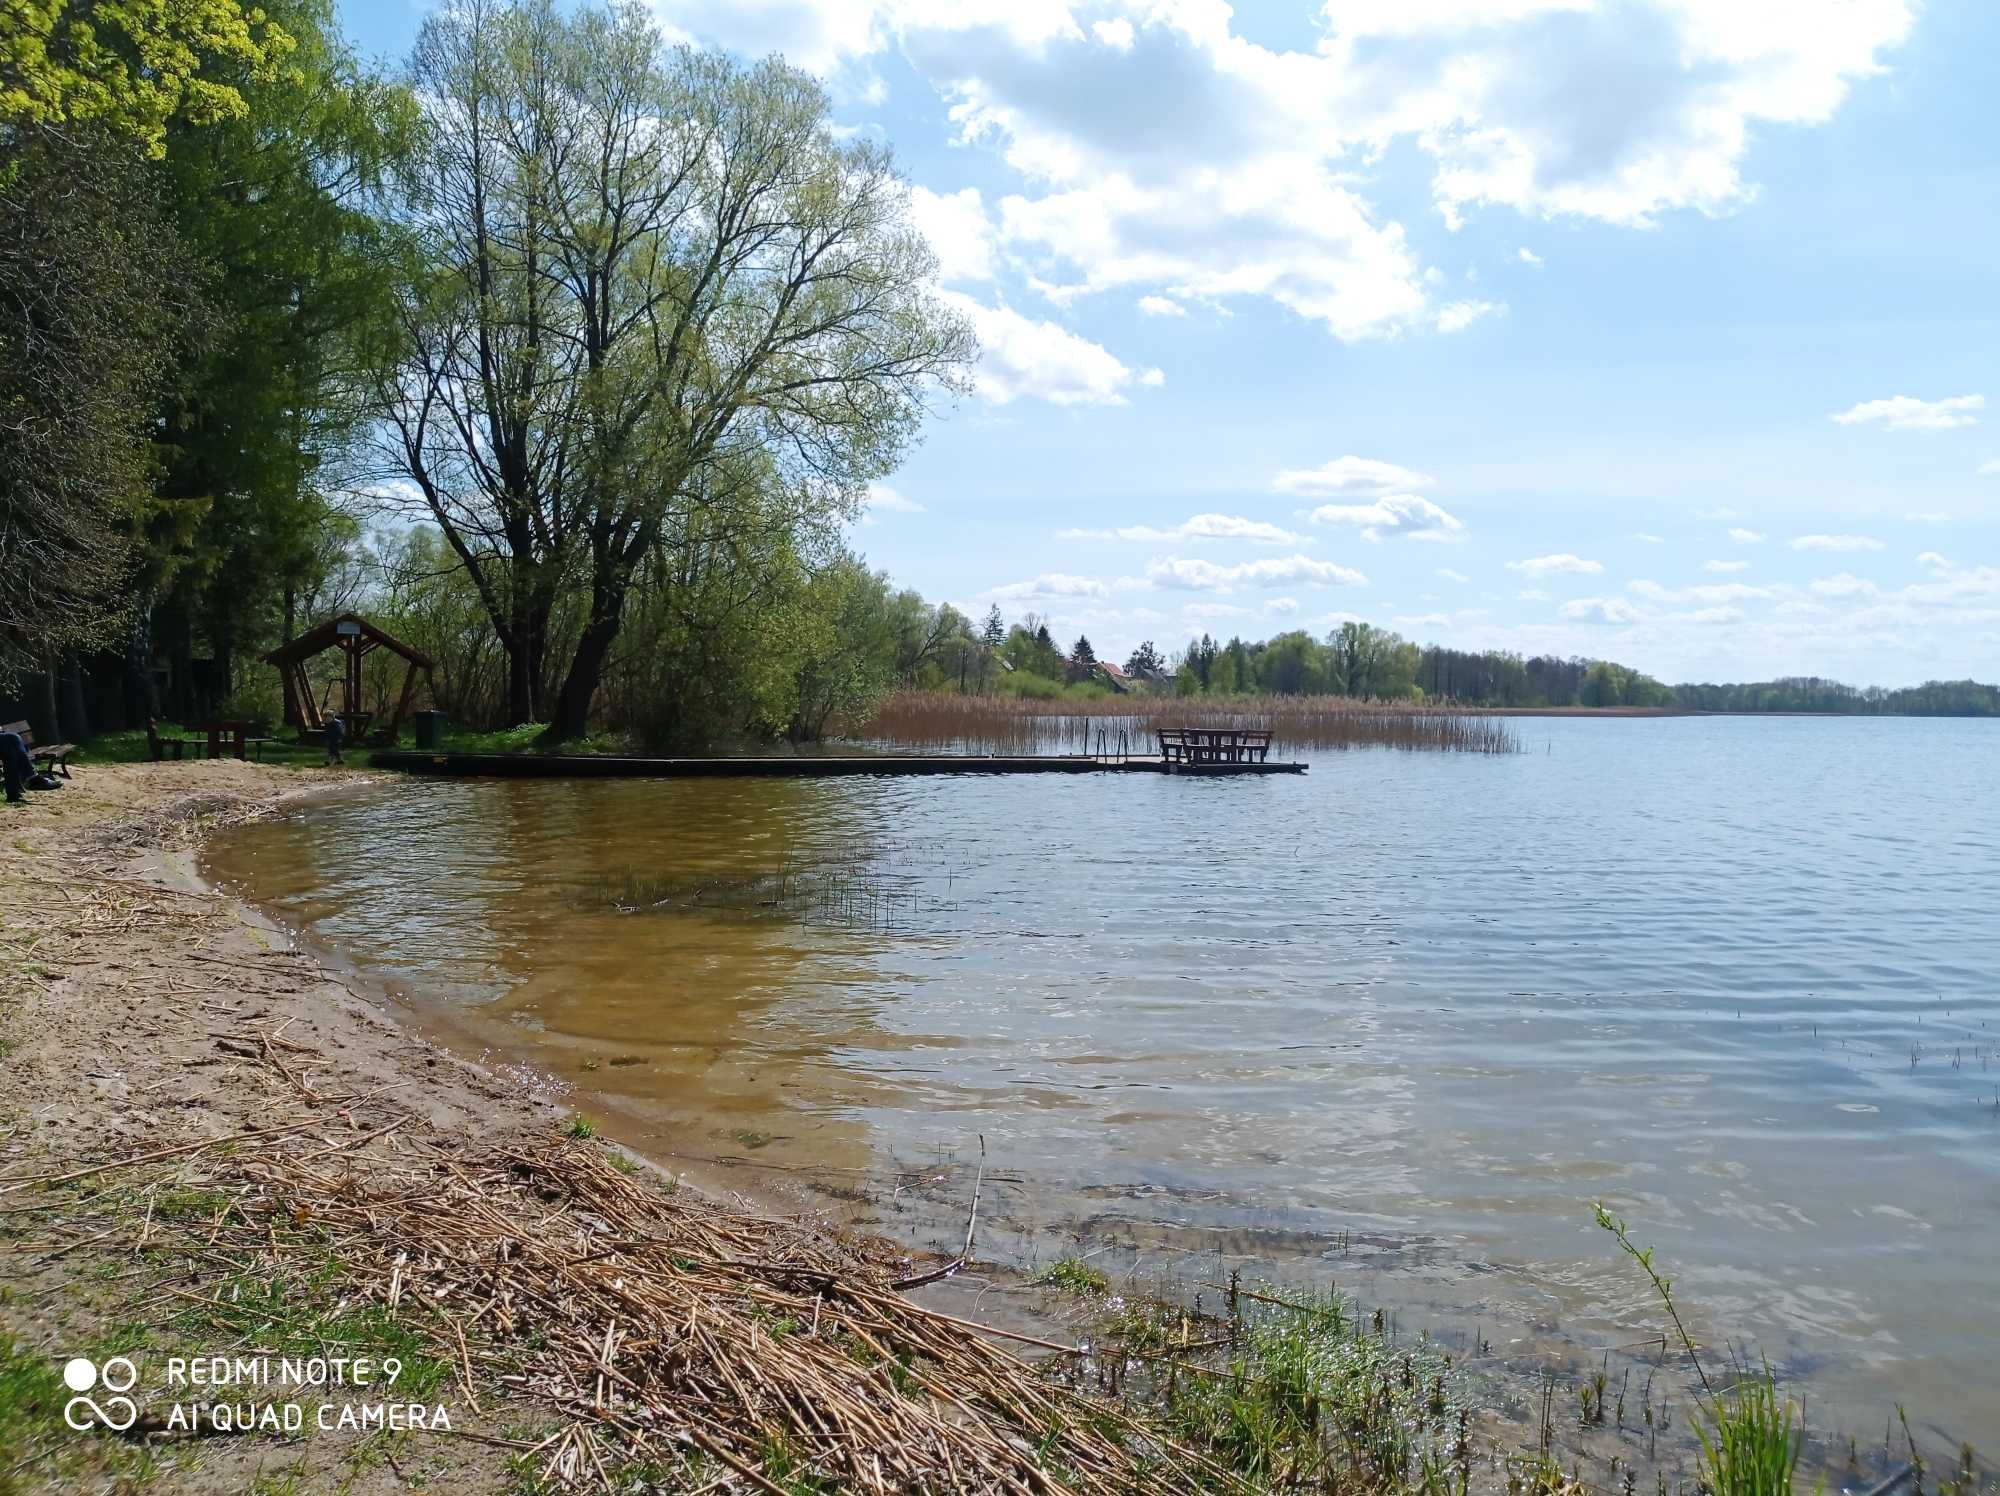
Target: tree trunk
586,669
74,717
293,718
142,699
44,721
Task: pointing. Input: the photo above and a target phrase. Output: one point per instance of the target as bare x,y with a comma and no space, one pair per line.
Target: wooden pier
1207,758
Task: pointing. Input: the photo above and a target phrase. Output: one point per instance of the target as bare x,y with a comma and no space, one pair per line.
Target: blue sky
1655,330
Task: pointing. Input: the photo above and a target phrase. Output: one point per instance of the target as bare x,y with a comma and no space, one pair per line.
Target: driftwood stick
8,1186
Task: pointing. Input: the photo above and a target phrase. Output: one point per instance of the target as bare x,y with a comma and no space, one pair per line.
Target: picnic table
1206,747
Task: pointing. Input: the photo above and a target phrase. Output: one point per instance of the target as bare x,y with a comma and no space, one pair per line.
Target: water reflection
1406,1016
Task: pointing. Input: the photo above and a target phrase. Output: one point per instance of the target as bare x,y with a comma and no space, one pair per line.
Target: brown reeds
938,720
648,1323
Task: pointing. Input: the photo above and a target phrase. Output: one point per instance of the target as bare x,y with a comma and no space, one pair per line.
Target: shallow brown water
1398,1021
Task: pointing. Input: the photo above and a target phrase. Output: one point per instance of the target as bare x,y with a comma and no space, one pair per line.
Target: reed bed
717,1348
940,721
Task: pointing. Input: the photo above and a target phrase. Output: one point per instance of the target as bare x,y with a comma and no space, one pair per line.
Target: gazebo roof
326,635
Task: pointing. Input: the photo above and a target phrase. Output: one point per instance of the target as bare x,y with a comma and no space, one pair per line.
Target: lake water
1399,1020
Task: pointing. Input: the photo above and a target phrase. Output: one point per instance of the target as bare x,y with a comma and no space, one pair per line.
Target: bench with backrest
48,757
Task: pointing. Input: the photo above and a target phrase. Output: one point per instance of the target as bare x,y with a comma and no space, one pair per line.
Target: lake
1397,1021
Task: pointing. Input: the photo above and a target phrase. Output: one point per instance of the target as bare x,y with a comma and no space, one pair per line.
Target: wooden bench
48,757
163,747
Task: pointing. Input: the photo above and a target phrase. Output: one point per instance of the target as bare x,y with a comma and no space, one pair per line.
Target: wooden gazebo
354,636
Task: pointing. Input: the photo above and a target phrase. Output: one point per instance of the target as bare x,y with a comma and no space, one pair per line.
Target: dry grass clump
657,1326
934,720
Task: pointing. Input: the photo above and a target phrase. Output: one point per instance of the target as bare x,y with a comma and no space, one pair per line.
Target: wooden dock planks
599,766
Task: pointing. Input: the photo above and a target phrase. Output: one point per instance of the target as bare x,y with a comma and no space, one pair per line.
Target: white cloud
959,232
1926,517
1561,564
1392,512
1049,585
1845,585
1532,595
1613,610
1160,146
1934,561
1152,379
1349,475
1021,357
1906,413
1836,543
1422,620
1954,584
1161,306
1745,537
1459,315
1990,467
1196,527
1115,34
1712,615
1282,605
1705,592
1528,257
1452,576
1725,565
882,499
1641,535
1187,574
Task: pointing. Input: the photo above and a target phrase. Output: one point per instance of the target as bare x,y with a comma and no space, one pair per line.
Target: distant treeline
1809,693
1360,661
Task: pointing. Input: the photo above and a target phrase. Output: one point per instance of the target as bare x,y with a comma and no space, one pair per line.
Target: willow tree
640,264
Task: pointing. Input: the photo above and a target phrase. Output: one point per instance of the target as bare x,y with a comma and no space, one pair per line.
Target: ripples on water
1734,976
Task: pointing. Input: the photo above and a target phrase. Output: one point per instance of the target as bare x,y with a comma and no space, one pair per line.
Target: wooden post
402,704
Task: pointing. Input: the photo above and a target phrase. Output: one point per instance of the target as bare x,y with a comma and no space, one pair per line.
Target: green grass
1749,1445
296,1313
130,747
1073,1275
1308,1395
31,1402
580,1127
526,738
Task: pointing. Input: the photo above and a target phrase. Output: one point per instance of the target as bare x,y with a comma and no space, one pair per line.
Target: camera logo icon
117,1413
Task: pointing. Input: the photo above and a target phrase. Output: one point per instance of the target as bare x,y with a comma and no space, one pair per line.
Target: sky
1660,331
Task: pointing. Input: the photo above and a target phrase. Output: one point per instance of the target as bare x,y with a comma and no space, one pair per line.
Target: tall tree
275,207
92,299
643,264
122,71
1145,662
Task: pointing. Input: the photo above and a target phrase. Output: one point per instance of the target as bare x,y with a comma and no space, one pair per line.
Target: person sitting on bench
18,764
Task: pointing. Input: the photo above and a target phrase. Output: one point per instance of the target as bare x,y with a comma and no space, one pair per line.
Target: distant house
1110,675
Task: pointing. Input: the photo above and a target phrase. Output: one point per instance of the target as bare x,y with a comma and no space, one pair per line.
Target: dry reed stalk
656,1323
1010,725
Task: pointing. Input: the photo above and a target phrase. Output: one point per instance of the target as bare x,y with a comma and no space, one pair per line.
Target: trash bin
428,727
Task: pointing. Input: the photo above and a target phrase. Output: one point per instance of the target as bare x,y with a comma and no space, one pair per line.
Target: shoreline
179,1070
218,1046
